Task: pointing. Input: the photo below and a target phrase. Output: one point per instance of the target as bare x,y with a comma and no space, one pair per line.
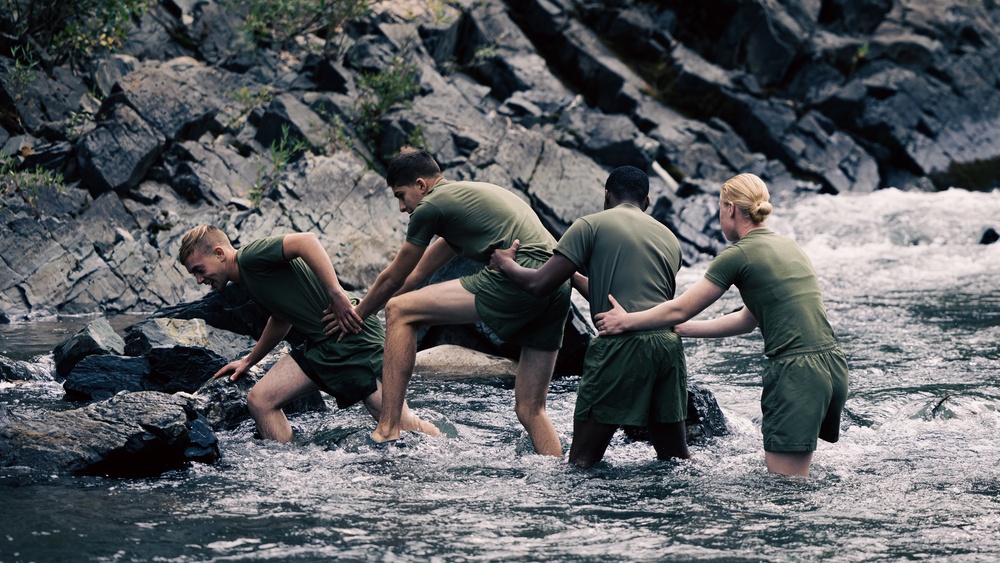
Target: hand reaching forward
501,257
613,321
235,369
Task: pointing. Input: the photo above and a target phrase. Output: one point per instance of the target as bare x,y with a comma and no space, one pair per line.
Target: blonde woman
806,381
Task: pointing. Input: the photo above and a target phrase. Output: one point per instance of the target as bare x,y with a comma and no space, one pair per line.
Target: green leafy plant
71,30
247,100
17,77
280,21
379,92
282,151
30,184
484,53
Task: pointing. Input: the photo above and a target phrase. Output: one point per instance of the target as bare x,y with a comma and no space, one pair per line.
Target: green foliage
17,77
71,30
30,184
484,53
247,100
379,92
280,21
283,151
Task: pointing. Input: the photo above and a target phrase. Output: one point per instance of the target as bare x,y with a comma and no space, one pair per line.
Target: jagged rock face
134,434
542,97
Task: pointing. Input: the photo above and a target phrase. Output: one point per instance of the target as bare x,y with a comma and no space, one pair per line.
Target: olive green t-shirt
626,253
476,218
290,291
779,286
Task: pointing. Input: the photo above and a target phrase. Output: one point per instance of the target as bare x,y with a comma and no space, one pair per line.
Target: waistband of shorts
818,349
651,331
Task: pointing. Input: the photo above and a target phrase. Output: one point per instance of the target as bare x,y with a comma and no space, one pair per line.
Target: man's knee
258,402
528,410
396,311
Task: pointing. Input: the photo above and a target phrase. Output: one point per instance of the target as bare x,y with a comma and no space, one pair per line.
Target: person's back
625,253
476,218
779,286
288,289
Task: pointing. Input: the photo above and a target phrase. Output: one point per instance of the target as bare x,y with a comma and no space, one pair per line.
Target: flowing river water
911,294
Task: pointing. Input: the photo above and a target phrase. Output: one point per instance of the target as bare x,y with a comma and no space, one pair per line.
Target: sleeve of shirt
261,254
725,270
577,244
424,223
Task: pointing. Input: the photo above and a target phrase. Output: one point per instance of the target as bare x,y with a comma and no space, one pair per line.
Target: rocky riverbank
188,123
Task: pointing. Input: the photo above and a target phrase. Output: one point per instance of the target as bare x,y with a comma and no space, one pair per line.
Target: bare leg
788,463
534,372
282,383
408,420
442,303
669,439
590,441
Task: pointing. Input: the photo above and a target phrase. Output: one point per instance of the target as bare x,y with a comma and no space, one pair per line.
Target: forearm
437,255
582,284
274,332
528,279
378,295
739,322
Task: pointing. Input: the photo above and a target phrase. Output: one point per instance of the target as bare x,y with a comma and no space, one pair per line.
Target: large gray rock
98,337
134,434
455,362
118,153
166,333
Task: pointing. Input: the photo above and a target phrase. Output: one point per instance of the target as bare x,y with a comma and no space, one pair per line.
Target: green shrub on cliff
30,184
379,92
278,22
70,30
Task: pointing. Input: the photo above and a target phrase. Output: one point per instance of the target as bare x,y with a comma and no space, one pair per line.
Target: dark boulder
118,153
133,434
100,377
705,419
98,337
990,236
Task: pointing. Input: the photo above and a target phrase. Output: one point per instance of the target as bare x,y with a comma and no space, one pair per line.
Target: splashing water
912,297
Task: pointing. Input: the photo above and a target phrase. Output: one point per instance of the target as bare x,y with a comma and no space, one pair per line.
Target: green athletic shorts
634,378
345,370
804,395
515,316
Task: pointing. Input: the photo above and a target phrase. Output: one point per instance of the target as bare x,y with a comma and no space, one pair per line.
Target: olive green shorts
634,379
346,370
515,316
803,398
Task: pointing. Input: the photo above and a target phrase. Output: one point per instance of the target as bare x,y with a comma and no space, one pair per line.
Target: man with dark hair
637,379
292,278
470,219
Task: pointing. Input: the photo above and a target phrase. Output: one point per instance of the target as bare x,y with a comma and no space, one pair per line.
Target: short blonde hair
202,239
748,193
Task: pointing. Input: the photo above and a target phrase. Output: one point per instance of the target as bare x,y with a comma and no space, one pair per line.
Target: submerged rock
134,434
705,419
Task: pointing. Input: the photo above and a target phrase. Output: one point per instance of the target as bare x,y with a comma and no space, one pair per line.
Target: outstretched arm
540,282
386,285
738,322
307,247
274,332
667,314
438,254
